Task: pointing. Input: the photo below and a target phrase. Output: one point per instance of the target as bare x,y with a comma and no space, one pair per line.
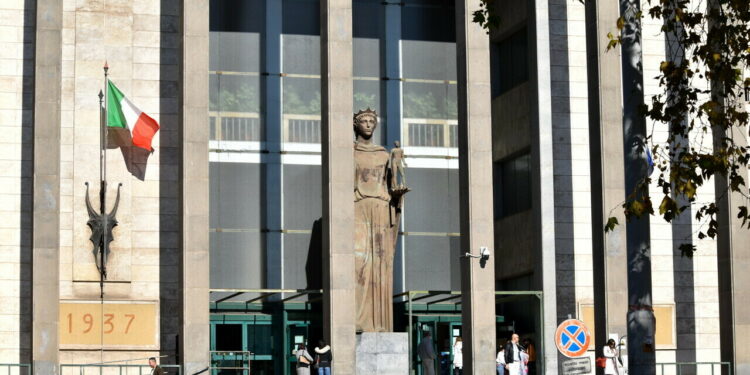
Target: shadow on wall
168,153
314,263
136,159
27,181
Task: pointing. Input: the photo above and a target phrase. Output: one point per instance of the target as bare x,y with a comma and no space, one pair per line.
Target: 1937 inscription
114,324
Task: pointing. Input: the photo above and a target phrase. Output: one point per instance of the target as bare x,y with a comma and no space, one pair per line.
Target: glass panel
433,204
237,244
300,49
228,337
260,339
432,263
428,56
511,55
302,196
302,260
428,59
235,195
513,188
431,245
366,50
237,260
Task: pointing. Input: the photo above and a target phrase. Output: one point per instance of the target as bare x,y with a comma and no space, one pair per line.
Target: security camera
484,254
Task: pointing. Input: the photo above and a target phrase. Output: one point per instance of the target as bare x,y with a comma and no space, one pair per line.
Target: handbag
601,362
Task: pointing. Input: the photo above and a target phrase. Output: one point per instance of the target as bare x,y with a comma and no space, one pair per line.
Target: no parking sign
572,338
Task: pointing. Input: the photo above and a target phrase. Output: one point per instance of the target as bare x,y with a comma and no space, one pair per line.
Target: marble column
46,195
607,173
338,179
545,278
475,150
194,337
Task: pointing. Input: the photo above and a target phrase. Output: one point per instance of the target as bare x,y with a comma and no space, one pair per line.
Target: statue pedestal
383,353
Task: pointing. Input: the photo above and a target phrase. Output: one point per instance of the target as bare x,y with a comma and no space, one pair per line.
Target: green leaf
612,222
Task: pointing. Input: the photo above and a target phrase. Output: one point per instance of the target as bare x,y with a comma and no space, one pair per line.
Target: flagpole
103,189
103,201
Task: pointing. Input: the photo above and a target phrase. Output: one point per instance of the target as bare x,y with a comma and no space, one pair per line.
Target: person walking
531,351
458,357
304,359
501,360
426,353
323,358
610,354
513,356
155,369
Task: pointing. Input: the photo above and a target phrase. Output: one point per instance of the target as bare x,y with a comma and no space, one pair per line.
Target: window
428,56
510,60
512,185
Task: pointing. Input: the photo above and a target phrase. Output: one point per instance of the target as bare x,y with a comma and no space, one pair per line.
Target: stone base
383,353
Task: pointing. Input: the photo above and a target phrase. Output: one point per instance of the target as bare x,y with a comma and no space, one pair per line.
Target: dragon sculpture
100,225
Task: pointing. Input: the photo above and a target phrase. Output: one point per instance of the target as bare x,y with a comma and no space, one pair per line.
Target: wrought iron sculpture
101,225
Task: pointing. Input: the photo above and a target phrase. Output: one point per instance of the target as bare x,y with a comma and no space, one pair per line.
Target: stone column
475,150
543,185
732,250
733,256
46,216
194,337
607,173
338,179
640,317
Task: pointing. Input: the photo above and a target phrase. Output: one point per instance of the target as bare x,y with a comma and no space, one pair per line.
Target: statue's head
365,122
396,144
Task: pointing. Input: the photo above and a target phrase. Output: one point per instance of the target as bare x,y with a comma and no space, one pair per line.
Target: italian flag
127,124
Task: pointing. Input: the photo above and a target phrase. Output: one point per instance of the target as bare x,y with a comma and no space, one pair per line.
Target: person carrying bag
304,359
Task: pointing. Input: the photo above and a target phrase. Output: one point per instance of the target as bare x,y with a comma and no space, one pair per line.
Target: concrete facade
475,146
46,216
607,176
139,42
338,162
159,58
17,50
195,334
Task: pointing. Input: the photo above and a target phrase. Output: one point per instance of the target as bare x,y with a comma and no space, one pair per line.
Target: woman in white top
610,353
524,362
501,360
458,357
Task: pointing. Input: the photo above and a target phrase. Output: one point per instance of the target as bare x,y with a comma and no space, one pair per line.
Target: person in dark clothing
155,369
513,356
323,358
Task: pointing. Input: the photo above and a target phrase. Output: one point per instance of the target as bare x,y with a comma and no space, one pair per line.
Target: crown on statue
363,112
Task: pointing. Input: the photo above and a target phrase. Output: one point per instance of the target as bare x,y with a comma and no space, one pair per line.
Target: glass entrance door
297,333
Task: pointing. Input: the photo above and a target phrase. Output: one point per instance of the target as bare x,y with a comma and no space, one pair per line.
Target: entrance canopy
226,298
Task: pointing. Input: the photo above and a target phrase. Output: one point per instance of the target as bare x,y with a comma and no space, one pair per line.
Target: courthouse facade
233,236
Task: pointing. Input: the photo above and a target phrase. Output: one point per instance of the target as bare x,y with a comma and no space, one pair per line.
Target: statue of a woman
377,211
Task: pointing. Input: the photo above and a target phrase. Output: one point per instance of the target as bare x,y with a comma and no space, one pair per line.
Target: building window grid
247,126
512,185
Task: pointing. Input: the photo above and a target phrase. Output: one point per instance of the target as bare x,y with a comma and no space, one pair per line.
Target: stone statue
398,166
377,212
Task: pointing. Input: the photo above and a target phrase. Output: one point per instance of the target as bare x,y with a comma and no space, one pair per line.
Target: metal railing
15,369
698,368
430,132
113,369
234,126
